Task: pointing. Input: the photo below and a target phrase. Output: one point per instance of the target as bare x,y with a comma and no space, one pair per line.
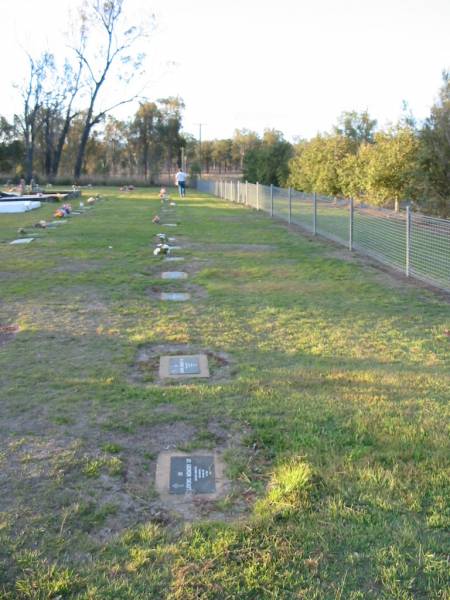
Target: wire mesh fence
415,244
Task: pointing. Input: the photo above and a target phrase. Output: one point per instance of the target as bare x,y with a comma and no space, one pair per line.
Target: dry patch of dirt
81,478
8,333
146,368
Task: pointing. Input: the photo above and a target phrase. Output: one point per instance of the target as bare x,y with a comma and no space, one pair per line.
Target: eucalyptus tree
145,138
171,109
317,163
391,164
434,154
243,141
56,113
32,92
108,48
357,127
11,147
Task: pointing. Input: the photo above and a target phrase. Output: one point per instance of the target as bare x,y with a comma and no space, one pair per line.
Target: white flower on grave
161,249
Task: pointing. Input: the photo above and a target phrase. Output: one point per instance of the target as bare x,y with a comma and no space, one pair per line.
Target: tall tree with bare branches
107,49
32,94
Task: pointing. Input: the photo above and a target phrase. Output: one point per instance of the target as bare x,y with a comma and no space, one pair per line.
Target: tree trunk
29,162
59,148
82,147
48,167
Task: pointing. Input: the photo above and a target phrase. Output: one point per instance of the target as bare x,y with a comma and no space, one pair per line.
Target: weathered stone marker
181,477
175,296
173,258
169,225
192,475
173,275
181,367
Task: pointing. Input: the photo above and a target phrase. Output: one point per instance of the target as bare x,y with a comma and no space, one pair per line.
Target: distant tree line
406,161
142,146
66,127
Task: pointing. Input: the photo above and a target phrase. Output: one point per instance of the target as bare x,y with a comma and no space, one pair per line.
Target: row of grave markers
63,221
178,474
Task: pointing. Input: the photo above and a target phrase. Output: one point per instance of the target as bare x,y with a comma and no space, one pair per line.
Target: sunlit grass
337,393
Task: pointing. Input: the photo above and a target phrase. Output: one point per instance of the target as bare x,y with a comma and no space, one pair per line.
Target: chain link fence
416,245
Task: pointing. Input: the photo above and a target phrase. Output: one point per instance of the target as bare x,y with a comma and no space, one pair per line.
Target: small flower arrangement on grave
161,249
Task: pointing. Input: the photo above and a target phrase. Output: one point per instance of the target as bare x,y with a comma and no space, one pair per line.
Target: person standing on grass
180,180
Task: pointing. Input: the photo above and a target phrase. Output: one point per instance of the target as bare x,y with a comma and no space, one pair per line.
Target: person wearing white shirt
180,180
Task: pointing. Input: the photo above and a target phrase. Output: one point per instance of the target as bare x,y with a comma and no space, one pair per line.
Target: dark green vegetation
408,161
336,402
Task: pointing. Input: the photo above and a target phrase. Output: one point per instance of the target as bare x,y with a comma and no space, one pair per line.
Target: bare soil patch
98,482
8,333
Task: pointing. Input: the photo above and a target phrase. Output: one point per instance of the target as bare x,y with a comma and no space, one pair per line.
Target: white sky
255,64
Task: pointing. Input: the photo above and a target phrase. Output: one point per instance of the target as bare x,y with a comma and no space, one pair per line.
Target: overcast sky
293,65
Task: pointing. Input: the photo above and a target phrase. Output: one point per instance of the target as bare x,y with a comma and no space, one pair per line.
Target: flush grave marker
173,275
192,475
183,367
175,296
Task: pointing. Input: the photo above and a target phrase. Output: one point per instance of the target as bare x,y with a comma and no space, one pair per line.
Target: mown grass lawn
333,413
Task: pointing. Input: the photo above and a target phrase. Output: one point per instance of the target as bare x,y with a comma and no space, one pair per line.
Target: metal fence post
271,199
246,193
315,214
408,241
290,204
257,195
350,225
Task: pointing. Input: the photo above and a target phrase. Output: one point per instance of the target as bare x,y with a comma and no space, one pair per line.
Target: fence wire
415,244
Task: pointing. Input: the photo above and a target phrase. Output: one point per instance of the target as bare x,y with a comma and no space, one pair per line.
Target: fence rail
414,244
